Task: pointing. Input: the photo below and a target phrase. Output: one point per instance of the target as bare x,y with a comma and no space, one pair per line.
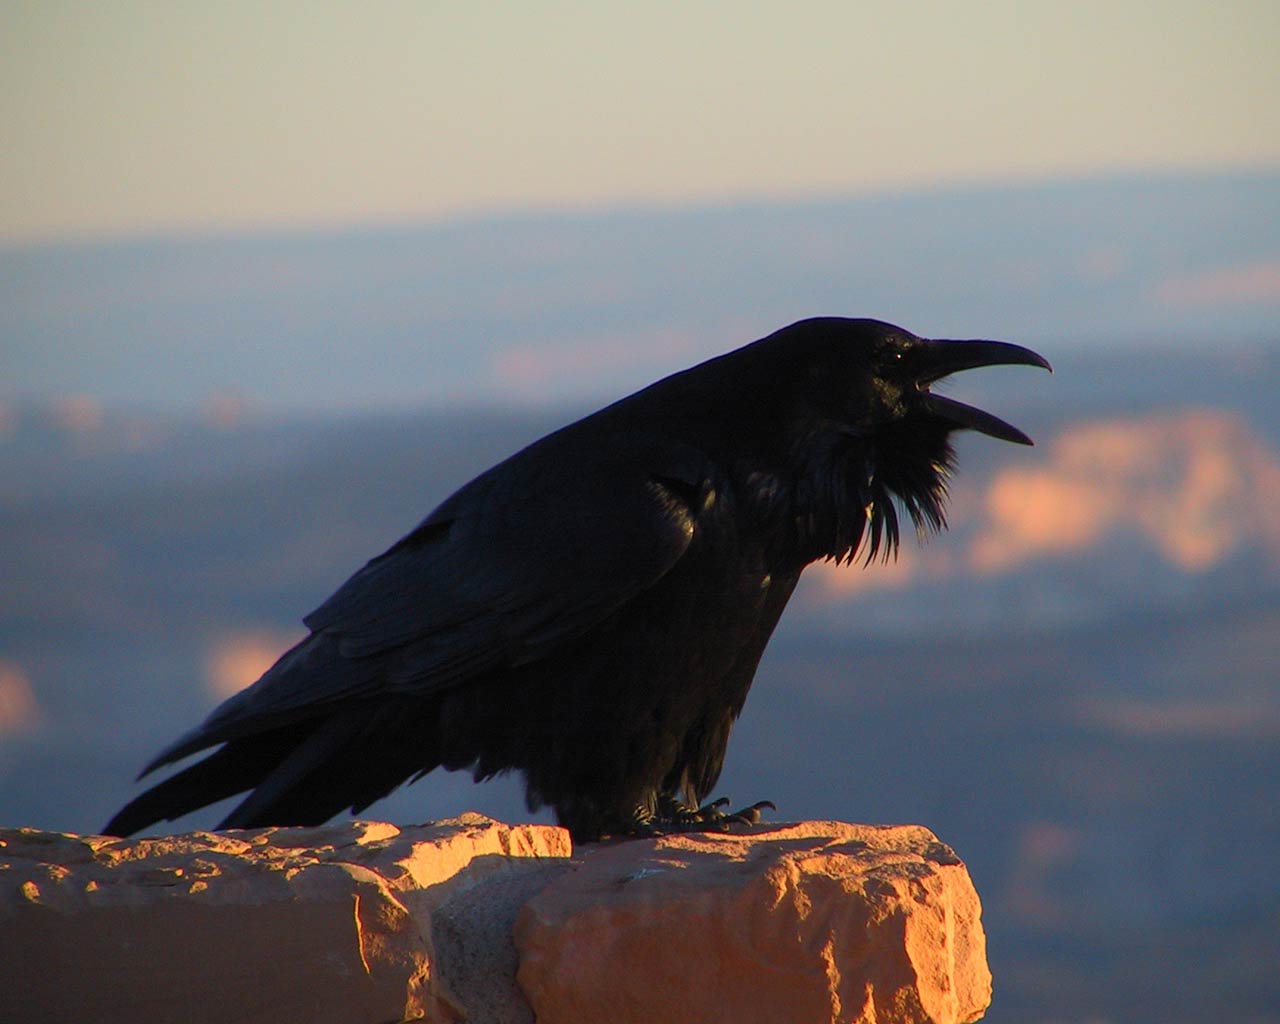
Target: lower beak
939,358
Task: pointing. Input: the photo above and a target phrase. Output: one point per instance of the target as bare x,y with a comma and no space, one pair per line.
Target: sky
141,118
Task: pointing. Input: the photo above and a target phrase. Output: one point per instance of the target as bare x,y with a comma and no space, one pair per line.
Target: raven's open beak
937,358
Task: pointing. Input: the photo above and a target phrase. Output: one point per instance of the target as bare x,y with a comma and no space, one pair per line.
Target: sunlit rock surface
470,919
819,921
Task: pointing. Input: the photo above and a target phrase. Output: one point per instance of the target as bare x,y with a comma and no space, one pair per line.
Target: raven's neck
845,499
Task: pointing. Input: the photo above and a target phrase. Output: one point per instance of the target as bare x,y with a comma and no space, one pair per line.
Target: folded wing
525,558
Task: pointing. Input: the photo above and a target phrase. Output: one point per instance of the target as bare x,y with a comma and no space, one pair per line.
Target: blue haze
429,315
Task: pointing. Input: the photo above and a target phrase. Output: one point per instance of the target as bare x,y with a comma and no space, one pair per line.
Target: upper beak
937,358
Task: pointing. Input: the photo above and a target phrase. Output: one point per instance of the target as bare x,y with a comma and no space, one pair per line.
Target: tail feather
238,766
271,795
300,774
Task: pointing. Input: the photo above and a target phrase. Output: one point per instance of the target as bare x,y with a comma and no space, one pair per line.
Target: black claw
751,815
671,816
711,811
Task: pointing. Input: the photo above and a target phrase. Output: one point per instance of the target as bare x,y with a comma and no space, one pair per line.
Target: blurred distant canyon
1077,685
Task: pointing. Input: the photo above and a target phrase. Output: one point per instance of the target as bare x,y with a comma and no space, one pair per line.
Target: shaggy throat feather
851,503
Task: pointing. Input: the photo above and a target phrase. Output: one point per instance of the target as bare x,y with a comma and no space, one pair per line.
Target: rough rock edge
816,921
363,921
317,924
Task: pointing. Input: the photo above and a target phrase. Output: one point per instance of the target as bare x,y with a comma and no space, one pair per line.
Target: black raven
590,612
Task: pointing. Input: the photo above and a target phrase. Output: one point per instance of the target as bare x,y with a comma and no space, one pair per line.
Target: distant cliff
1112,512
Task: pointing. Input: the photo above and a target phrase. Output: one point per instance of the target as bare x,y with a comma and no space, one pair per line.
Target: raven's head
878,432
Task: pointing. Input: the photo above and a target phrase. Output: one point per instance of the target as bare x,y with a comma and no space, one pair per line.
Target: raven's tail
302,773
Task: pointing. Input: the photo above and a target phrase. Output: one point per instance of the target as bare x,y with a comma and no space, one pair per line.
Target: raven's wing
526,557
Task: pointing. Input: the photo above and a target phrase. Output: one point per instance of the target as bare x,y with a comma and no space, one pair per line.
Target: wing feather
525,558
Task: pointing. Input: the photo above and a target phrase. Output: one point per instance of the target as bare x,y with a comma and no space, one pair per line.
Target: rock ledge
471,919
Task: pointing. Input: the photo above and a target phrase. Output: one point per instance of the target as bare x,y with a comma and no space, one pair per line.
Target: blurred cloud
1182,719
542,371
1251,283
227,410
237,659
1105,263
1197,484
19,711
1043,850
78,414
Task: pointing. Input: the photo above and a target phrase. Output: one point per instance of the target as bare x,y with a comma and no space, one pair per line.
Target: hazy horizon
573,307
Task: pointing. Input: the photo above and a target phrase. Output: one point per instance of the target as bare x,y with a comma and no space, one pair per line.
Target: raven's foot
668,816
674,816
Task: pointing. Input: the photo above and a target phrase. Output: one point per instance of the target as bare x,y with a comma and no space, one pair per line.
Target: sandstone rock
820,921
286,924
362,921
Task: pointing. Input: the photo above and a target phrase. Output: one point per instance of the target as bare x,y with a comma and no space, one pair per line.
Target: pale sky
134,117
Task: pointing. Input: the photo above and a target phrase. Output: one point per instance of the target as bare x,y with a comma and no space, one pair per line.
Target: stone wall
471,919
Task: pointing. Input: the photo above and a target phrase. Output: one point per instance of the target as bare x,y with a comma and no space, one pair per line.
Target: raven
590,612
